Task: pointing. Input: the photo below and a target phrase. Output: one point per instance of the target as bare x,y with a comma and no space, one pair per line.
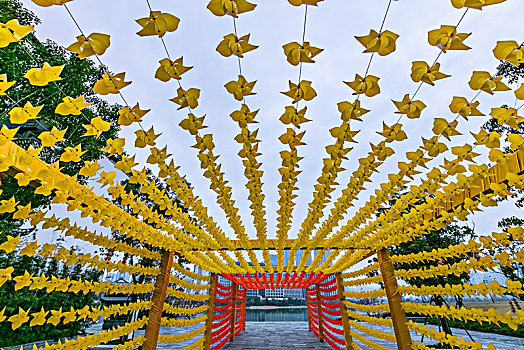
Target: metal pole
245,311
398,315
158,299
210,307
319,312
344,312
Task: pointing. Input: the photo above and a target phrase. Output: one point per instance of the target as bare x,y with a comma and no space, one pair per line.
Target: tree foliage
515,272
78,78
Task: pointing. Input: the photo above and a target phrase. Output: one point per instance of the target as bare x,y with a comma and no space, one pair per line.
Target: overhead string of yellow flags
236,45
409,107
159,24
465,152
384,43
189,99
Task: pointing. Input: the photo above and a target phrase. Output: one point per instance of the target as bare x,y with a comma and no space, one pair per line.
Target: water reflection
281,314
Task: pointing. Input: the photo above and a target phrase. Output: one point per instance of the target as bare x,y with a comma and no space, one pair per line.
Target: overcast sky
331,26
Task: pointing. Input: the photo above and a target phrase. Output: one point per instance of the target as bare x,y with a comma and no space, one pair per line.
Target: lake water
282,314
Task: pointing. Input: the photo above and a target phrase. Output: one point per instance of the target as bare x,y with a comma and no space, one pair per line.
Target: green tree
516,271
78,78
443,238
452,234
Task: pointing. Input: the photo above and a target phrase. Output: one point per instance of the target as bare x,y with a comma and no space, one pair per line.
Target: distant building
253,293
224,281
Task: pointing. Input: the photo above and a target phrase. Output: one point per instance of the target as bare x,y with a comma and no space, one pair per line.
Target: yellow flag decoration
5,274
50,138
509,51
114,147
29,249
292,116
171,69
421,71
126,164
482,80
89,169
19,319
516,142
111,84
291,138
27,157
382,43
393,133
301,91
230,7
145,138
304,2
23,179
158,156
96,127
447,38
43,76
474,4
72,154
193,123
107,178
519,93
39,318
350,110
296,53
442,127
490,140
5,84
71,106
47,3
157,23
232,45
507,116
20,115
12,32
367,85
343,133
56,316
9,246
187,98
461,106
94,44
127,115
243,116
412,109
433,146
240,88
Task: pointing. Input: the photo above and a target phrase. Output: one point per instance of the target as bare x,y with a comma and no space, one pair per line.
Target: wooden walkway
276,336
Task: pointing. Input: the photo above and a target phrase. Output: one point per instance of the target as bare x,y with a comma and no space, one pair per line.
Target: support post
233,312
398,316
245,312
210,307
158,299
309,321
344,312
319,312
